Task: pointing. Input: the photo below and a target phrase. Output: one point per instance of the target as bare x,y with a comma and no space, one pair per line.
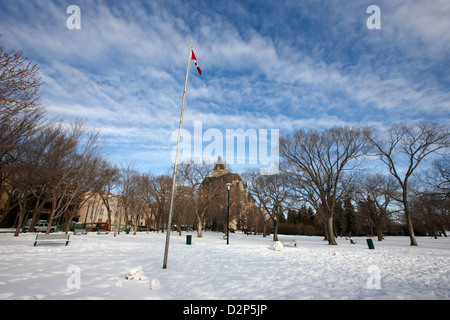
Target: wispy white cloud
278,65
421,27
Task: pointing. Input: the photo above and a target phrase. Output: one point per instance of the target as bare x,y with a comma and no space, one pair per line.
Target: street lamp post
228,213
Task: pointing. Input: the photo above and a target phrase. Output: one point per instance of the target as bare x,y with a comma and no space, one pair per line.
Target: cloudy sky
266,64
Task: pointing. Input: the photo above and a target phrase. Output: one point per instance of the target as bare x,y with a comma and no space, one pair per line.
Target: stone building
93,211
242,205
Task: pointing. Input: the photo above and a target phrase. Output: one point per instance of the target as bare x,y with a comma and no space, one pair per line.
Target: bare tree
404,148
70,162
20,108
26,177
183,207
108,179
272,193
128,179
204,191
148,196
37,150
84,187
319,160
374,193
438,177
430,205
139,206
430,213
162,193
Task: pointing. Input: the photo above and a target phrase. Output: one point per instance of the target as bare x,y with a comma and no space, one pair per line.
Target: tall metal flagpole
169,224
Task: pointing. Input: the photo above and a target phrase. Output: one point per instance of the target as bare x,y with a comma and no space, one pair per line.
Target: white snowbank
94,267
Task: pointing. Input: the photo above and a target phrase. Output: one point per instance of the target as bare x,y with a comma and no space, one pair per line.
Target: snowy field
95,266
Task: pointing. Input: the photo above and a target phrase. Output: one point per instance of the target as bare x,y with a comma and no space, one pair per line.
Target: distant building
242,205
93,211
88,209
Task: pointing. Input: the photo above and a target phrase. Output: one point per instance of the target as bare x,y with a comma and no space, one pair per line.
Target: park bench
102,231
80,231
52,238
283,241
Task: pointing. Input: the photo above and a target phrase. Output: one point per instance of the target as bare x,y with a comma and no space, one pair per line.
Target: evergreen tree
292,217
339,219
350,215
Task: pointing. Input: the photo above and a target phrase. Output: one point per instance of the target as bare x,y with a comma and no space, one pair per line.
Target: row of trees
375,169
349,181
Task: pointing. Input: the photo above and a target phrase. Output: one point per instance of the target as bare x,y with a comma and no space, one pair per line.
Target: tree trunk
412,236
70,216
117,228
19,223
36,214
275,232
380,233
331,239
8,209
22,209
325,231
50,221
199,228
264,228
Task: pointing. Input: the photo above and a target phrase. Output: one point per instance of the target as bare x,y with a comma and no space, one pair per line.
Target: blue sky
279,65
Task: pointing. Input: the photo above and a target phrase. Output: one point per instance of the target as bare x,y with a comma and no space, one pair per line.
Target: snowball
135,274
119,283
277,246
155,284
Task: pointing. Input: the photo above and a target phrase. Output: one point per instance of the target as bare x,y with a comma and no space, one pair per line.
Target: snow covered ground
95,266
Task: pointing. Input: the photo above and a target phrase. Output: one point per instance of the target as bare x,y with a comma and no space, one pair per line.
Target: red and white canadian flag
193,57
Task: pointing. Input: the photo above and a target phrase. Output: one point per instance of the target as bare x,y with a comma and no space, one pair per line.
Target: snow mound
135,274
277,246
155,284
119,283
